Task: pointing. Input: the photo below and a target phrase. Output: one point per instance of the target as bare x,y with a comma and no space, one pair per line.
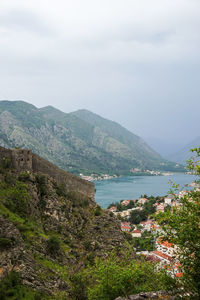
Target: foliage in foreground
12,288
114,277
182,227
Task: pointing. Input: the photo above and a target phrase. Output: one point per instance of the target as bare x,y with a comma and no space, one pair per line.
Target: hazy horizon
136,63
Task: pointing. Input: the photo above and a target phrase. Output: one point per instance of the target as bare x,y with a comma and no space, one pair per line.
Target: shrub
5,163
87,245
11,288
98,211
24,176
60,189
41,185
17,199
79,286
114,278
5,243
77,199
9,179
53,246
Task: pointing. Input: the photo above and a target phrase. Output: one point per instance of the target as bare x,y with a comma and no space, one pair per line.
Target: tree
181,226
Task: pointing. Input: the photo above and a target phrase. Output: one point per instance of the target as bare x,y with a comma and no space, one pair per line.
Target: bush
5,164
41,185
98,211
24,176
77,199
79,286
10,179
5,243
17,199
11,288
87,245
60,189
114,278
117,276
53,246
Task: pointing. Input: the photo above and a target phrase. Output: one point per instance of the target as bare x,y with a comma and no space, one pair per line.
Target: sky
136,62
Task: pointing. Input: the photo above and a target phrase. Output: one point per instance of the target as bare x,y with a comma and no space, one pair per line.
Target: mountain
50,227
164,148
79,142
184,153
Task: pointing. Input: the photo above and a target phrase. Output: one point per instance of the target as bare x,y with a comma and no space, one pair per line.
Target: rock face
152,295
50,225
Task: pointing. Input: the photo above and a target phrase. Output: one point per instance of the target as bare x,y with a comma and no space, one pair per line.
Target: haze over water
130,187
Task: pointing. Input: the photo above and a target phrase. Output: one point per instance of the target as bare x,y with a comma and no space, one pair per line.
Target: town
139,224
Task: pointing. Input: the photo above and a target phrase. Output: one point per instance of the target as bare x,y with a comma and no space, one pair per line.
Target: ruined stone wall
5,153
71,181
22,159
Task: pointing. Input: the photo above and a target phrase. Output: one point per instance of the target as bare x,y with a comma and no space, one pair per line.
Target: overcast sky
133,61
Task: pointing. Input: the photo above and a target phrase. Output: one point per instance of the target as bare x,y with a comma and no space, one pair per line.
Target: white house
136,233
142,200
168,199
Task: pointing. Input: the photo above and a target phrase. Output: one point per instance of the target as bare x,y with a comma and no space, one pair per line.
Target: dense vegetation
145,243
107,279
181,226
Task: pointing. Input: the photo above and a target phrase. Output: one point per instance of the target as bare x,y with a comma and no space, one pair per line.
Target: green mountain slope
79,142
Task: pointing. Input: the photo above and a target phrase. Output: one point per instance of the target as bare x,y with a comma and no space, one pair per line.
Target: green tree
115,277
181,226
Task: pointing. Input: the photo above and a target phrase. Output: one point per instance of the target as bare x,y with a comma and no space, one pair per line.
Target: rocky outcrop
50,225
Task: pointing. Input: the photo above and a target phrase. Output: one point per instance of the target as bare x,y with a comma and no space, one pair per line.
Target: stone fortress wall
25,160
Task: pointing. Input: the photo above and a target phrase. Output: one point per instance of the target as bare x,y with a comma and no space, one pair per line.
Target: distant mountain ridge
184,153
79,142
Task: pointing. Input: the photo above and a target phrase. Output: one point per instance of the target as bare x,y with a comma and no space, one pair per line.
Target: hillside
49,228
79,142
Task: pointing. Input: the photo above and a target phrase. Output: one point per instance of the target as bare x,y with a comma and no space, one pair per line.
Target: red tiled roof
125,223
163,255
153,258
136,231
126,227
164,243
179,274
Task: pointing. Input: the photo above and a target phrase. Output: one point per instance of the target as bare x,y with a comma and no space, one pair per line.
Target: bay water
132,187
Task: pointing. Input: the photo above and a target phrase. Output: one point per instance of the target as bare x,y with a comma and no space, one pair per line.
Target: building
142,200
126,226
113,209
182,194
162,257
168,200
160,208
136,233
125,202
165,247
146,225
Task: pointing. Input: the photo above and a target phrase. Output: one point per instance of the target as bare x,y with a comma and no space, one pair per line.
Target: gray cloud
16,20
136,62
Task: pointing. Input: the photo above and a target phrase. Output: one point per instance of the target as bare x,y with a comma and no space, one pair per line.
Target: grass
51,265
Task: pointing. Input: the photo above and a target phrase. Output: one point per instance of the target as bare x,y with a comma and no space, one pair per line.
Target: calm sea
116,189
